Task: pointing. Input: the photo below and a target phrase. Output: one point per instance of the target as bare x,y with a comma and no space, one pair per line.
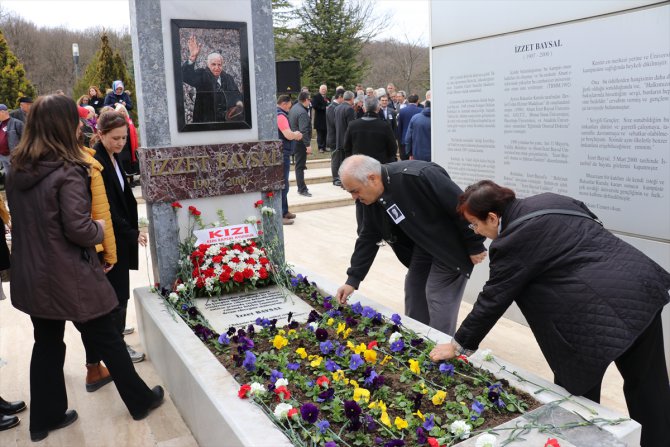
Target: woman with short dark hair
589,297
56,274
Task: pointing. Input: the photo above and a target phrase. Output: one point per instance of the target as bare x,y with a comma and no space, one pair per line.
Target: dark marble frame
241,28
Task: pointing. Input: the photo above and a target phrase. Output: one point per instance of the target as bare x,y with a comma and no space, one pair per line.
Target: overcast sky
408,17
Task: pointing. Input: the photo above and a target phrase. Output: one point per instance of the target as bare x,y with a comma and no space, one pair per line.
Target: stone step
313,176
316,163
324,195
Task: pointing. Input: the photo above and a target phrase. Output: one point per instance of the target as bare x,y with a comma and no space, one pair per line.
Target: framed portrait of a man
211,67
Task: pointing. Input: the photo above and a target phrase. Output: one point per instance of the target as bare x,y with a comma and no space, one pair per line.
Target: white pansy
314,325
460,429
394,337
486,440
281,382
181,288
281,410
257,388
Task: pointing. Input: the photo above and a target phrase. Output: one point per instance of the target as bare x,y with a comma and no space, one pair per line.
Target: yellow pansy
439,397
370,356
361,394
414,366
330,322
382,406
385,419
301,352
424,390
338,375
360,348
386,359
291,332
353,383
279,341
281,332
400,423
317,361
351,346
419,415
346,333
340,328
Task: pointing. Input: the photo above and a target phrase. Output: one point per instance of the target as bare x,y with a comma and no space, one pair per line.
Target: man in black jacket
330,119
344,114
412,206
319,104
370,136
217,96
298,119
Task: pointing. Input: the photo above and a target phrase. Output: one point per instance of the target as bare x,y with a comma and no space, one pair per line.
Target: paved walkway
322,240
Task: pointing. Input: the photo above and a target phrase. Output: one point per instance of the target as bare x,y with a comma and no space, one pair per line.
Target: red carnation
323,381
552,442
237,247
224,250
251,261
200,282
270,194
282,393
193,210
235,260
248,273
264,261
463,358
292,412
262,273
244,391
208,273
250,250
432,442
227,269
217,259
175,205
224,277
252,243
372,344
258,204
203,247
238,277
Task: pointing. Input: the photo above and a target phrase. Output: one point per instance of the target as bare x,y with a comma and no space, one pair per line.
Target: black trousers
336,158
645,385
48,396
321,138
403,154
300,165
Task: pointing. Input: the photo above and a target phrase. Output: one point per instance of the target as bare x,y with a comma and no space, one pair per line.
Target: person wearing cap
24,107
118,96
11,130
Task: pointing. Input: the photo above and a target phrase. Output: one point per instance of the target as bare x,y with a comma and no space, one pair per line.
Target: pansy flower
429,422
301,352
326,347
293,366
357,308
249,361
414,366
421,435
397,345
368,312
355,362
309,412
321,334
447,368
552,442
395,443
439,397
332,366
351,409
361,394
224,340
323,426
400,423
326,395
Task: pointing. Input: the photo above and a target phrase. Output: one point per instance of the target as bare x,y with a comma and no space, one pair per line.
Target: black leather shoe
158,395
7,422
69,418
8,408
305,193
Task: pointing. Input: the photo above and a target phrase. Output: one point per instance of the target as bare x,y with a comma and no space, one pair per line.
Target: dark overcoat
586,294
123,208
208,94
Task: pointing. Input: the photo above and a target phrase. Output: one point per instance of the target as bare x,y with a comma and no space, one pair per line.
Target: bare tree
405,63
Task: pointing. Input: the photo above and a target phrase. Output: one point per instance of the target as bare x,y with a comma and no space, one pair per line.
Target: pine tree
330,39
282,12
13,81
106,67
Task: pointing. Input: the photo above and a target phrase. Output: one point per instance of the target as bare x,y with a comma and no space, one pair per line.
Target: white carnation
267,211
257,388
281,382
181,288
281,410
486,440
460,429
173,297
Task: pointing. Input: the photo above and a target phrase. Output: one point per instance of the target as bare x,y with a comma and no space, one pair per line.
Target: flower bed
349,376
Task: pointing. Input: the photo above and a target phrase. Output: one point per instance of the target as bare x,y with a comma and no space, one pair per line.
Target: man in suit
21,113
344,114
388,114
404,116
330,119
391,92
298,119
319,103
217,96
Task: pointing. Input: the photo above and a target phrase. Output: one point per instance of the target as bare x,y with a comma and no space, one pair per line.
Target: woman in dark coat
589,298
56,274
113,132
118,95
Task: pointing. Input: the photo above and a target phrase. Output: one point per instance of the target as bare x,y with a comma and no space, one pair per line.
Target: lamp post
75,57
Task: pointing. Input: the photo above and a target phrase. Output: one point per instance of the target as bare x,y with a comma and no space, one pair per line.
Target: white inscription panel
581,109
242,309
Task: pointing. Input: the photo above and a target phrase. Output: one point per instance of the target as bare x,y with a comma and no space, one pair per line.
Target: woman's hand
107,267
444,351
142,239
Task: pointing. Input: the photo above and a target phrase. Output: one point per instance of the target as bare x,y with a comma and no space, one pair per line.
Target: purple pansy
274,375
293,366
421,436
397,345
429,423
396,319
368,312
355,362
351,409
309,412
223,339
326,347
323,426
326,395
447,368
357,308
321,334
477,407
249,361
332,366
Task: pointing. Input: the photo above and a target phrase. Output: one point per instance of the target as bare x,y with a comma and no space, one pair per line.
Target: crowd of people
70,167
386,124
